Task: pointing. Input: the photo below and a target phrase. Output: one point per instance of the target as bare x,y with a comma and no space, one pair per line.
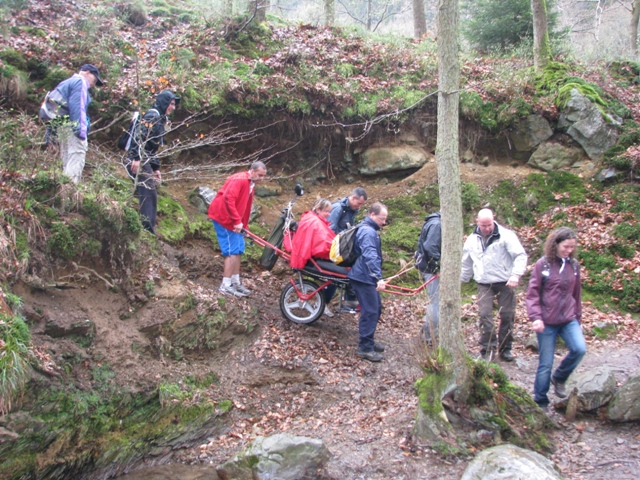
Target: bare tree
372,13
329,12
633,27
451,340
541,44
419,19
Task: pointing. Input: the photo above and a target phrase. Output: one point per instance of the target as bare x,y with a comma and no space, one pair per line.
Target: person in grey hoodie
496,260
143,164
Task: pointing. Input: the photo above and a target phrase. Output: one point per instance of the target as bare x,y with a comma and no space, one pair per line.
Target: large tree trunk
541,44
633,31
260,9
329,12
419,19
450,330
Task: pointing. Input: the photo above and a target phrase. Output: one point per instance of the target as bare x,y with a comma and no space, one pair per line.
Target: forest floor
306,380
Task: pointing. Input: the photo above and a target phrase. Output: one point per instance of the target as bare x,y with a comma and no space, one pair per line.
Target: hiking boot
230,290
328,312
378,347
369,355
350,304
561,392
507,356
242,289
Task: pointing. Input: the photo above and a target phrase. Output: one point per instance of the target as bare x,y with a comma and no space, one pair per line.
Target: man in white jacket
496,260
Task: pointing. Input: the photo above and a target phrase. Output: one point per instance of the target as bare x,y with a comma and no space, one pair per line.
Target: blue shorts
231,243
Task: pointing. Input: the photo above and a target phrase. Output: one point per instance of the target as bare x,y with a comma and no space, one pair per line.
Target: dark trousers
506,297
147,194
370,311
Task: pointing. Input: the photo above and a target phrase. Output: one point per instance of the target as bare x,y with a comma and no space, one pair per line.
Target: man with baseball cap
72,134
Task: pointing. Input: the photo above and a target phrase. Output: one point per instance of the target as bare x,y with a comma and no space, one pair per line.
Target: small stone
619,441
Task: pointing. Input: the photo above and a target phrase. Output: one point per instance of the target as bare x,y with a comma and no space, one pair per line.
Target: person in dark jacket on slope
143,164
367,282
554,308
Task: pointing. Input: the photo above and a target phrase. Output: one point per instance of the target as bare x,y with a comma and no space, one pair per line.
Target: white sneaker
328,312
242,289
230,290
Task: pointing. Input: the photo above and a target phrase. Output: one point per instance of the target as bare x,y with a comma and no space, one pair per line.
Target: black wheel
269,255
298,310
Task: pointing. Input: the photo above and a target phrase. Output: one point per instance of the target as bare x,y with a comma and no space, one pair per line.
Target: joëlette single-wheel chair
302,300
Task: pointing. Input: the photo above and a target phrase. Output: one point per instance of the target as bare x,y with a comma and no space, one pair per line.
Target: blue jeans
370,311
571,333
431,319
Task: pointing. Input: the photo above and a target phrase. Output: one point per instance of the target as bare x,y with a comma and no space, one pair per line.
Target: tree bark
228,8
450,329
541,43
633,31
419,19
260,9
329,12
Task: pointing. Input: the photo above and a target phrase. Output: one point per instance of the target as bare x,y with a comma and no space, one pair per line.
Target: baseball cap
93,69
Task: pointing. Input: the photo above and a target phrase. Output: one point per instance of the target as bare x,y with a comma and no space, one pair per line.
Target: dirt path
306,380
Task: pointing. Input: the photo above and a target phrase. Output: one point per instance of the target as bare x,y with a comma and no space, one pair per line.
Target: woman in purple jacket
554,308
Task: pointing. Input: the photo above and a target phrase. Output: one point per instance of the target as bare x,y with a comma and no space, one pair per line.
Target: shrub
14,360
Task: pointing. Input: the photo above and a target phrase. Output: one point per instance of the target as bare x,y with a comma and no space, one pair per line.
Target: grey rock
587,125
378,160
608,175
530,132
280,456
553,156
595,387
508,461
625,404
201,197
263,191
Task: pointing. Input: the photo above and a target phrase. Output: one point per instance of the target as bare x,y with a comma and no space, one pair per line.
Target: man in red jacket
229,211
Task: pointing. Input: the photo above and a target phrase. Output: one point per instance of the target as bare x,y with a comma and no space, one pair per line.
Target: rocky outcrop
554,156
281,456
625,404
585,123
509,461
530,132
595,387
378,160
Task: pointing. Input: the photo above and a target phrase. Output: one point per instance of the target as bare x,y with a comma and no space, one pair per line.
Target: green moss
61,242
14,58
429,389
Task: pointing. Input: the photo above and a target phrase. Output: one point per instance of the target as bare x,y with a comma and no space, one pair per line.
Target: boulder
595,387
281,456
587,125
200,197
625,404
509,461
530,132
553,156
378,160
62,326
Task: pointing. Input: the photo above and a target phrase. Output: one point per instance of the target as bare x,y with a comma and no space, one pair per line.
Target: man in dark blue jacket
72,134
428,263
367,282
343,212
143,163
343,216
